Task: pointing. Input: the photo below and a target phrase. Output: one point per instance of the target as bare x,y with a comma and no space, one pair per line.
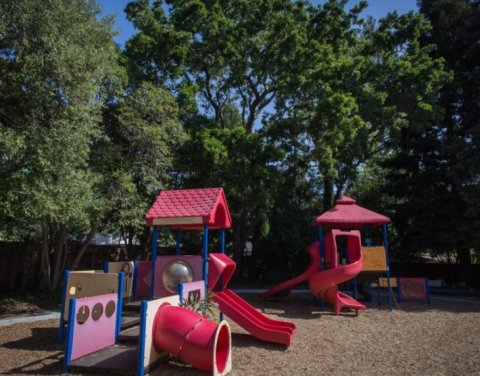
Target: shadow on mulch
305,307
48,365
49,336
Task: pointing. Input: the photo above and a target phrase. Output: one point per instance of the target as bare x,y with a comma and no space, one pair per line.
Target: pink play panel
413,289
195,290
94,325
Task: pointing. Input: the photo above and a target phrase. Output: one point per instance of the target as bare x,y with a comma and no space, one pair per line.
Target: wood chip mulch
418,339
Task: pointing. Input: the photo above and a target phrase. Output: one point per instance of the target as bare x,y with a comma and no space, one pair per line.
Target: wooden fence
19,265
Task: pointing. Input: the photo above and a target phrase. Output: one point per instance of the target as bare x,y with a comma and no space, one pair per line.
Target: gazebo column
222,250
205,253
222,240
387,256
154,246
321,245
178,238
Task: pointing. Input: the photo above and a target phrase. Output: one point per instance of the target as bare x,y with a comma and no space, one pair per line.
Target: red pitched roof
190,209
346,213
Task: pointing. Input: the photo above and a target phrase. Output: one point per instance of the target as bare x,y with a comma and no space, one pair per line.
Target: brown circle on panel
110,308
82,314
97,311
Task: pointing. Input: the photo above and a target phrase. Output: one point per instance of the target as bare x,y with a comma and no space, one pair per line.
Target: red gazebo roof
346,213
190,209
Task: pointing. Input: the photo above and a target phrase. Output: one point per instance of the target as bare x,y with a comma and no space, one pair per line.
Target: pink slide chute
221,269
284,288
324,284
253,321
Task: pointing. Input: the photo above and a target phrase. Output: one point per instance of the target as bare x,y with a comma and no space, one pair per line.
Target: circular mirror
175,272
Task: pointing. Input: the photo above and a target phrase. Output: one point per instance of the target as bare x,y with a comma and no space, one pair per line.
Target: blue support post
141,338
385,243
134,278
205,259
222,240
105,266
178,236
321,245
154,259
118,325
180,292
61,327
222,249
71,321
427,290
205,253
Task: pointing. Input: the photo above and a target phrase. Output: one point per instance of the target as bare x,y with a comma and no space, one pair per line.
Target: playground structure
325,272
324,284
165,328
92,301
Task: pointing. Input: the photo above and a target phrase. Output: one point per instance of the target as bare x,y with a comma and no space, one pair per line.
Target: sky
376,9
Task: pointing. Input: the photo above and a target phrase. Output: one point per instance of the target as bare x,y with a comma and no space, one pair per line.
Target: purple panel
194,261
97,330
413,289
143,279
193,288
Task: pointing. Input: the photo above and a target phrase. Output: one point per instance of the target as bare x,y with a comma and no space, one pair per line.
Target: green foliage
356,106
223,51
54,57
136,158
436,165
206,306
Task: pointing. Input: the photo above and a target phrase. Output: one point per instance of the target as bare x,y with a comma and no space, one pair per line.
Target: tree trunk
327,193
59,256
44,260
465,265
84,246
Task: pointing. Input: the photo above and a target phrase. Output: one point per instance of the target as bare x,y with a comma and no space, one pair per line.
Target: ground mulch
418,339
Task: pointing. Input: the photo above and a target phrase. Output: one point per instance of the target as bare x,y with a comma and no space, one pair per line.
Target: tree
244,165
239,52
438,165
54,57
368,81
137,156
233,56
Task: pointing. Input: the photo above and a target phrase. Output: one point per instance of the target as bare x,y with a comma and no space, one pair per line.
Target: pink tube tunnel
193,339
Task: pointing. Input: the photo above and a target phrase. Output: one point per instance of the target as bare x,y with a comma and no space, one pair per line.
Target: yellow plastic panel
374,259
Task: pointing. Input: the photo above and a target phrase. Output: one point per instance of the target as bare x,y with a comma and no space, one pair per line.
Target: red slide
323,284
220,270
253,321
284,288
